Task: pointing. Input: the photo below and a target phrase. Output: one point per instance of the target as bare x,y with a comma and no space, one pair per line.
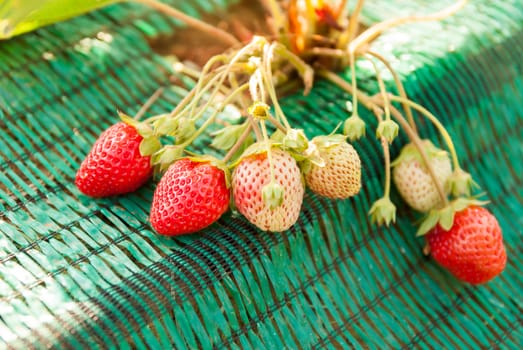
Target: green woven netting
82,273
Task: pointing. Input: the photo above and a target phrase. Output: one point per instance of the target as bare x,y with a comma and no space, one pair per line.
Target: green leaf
446,217
166,156
227,137
17,17
278,136
429,222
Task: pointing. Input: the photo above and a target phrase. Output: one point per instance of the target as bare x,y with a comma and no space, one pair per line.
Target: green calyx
165,156
295,141
387,129
254,149
354,128
326,141
150,143
318,146
460,183
444,217
409,152
383,211
143,128
273,194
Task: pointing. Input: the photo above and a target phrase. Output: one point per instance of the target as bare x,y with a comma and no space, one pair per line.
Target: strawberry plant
266,164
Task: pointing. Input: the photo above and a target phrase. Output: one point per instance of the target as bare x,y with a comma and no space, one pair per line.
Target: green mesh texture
82,273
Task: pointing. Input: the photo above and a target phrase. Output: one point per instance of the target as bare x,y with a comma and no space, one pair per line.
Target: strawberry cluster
267,164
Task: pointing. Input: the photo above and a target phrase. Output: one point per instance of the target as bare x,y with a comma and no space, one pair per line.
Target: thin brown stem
399,86
238,143
149,103
386,157
355,20
192,22
374,31
273,7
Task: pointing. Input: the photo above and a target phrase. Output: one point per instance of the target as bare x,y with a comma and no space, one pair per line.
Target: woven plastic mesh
82,273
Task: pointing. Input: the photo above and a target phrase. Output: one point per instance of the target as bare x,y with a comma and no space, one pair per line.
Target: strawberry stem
386,157
238,143
210,120
348,35
278,19
399,86
266,69
212,31
354,85
383,90
436,122
374,31
311,21
269,151
149,103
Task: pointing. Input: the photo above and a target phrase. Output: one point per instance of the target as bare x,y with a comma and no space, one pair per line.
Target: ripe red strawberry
190,196
413,180
472,249
341,176
114,165
250,177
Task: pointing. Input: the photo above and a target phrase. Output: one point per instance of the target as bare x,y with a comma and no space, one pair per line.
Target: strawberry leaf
142,128
429,222
446,217
226,137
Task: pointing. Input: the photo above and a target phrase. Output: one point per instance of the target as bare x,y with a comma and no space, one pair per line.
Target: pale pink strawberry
340,175
250,178
412,179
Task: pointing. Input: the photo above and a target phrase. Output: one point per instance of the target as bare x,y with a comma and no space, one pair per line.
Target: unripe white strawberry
253,174
412,179
340,175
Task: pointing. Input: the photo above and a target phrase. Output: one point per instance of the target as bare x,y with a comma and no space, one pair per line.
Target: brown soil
242,20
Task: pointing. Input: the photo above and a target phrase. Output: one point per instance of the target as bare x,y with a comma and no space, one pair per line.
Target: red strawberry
190,196
472,249
250,178
114,165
